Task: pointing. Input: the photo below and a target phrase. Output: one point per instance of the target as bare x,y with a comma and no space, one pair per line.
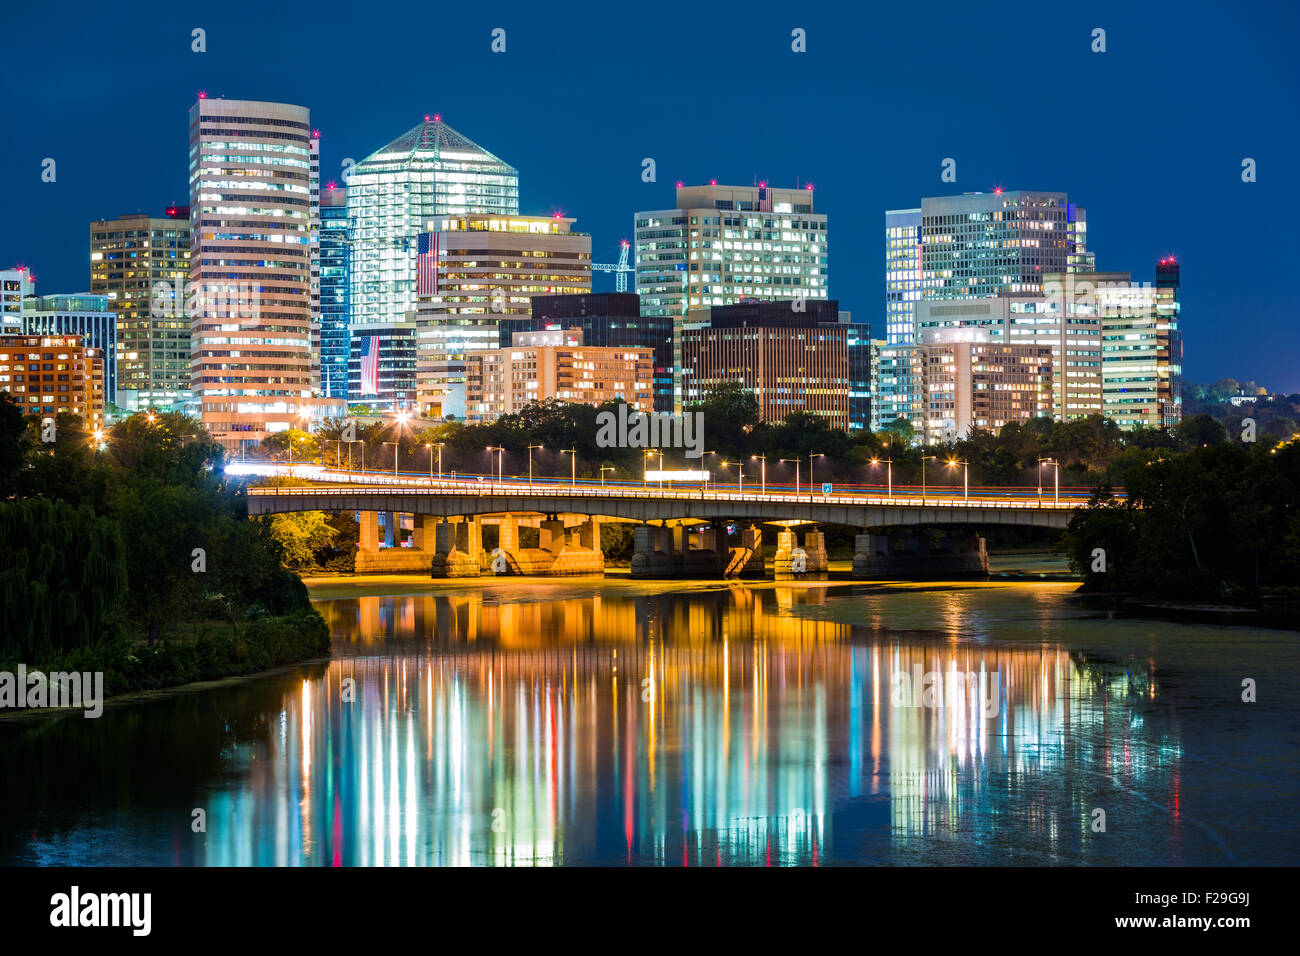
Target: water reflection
733,727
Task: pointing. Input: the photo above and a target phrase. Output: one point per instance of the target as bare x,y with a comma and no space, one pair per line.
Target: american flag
426,278
370,365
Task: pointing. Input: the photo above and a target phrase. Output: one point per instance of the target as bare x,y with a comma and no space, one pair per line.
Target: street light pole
573,465
811,482
797,462
763,472
924,459
1056,477
530,464
704,481
740,468
603,469
889,470
965,475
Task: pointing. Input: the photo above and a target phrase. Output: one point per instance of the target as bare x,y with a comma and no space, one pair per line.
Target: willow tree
62,577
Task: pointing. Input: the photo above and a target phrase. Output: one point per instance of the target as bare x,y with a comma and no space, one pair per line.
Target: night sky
1148,136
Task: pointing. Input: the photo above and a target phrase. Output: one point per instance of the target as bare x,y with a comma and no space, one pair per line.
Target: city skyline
1148,181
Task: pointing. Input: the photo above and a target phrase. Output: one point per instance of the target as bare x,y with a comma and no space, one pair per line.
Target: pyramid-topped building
431,170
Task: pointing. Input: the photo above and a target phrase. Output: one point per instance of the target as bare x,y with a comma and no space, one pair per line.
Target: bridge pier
795,562
562,550
659,552
393,559
882,558
369,537
456,549
747,560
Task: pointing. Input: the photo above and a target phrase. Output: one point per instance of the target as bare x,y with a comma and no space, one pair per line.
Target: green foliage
15,442
211,653
301,535
291,444
62,577
1216,521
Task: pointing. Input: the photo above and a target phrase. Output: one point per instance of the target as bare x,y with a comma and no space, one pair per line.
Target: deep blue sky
1148,136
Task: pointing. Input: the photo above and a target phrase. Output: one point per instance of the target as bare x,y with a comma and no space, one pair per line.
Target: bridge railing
485,488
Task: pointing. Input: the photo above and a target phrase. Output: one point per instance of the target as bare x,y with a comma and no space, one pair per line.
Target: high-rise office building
999,243
969,382
791,361
896,390
86,316
902,273
335,292
859,344
141,264
476,274
430,171
252,192
973,260
1063,318
606,319
1142,351
722,244
315,315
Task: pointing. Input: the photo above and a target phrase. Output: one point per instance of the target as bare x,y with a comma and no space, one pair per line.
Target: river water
588,722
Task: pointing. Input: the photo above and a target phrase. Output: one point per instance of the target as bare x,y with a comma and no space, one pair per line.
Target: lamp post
763,472
438,445
1056,478
965,475
603,469
704,481
645,467
889,470
530,464
394,444
338,453
573,465
500,451
924,459
797,462
740,467
430,447
811,482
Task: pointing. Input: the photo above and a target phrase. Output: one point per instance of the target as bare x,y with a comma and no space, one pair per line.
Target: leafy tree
15,444
1200,430
62,577
301,534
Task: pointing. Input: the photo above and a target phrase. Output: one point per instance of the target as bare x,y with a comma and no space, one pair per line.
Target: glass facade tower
428,172
335,292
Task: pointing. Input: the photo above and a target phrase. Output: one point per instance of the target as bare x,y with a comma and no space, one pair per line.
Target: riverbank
212,653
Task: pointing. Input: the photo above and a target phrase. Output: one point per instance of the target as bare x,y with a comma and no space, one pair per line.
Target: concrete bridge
681,531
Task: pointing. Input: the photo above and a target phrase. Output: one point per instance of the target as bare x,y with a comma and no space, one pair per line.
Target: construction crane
620,270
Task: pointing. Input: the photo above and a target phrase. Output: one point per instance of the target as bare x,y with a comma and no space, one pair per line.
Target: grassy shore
199,651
